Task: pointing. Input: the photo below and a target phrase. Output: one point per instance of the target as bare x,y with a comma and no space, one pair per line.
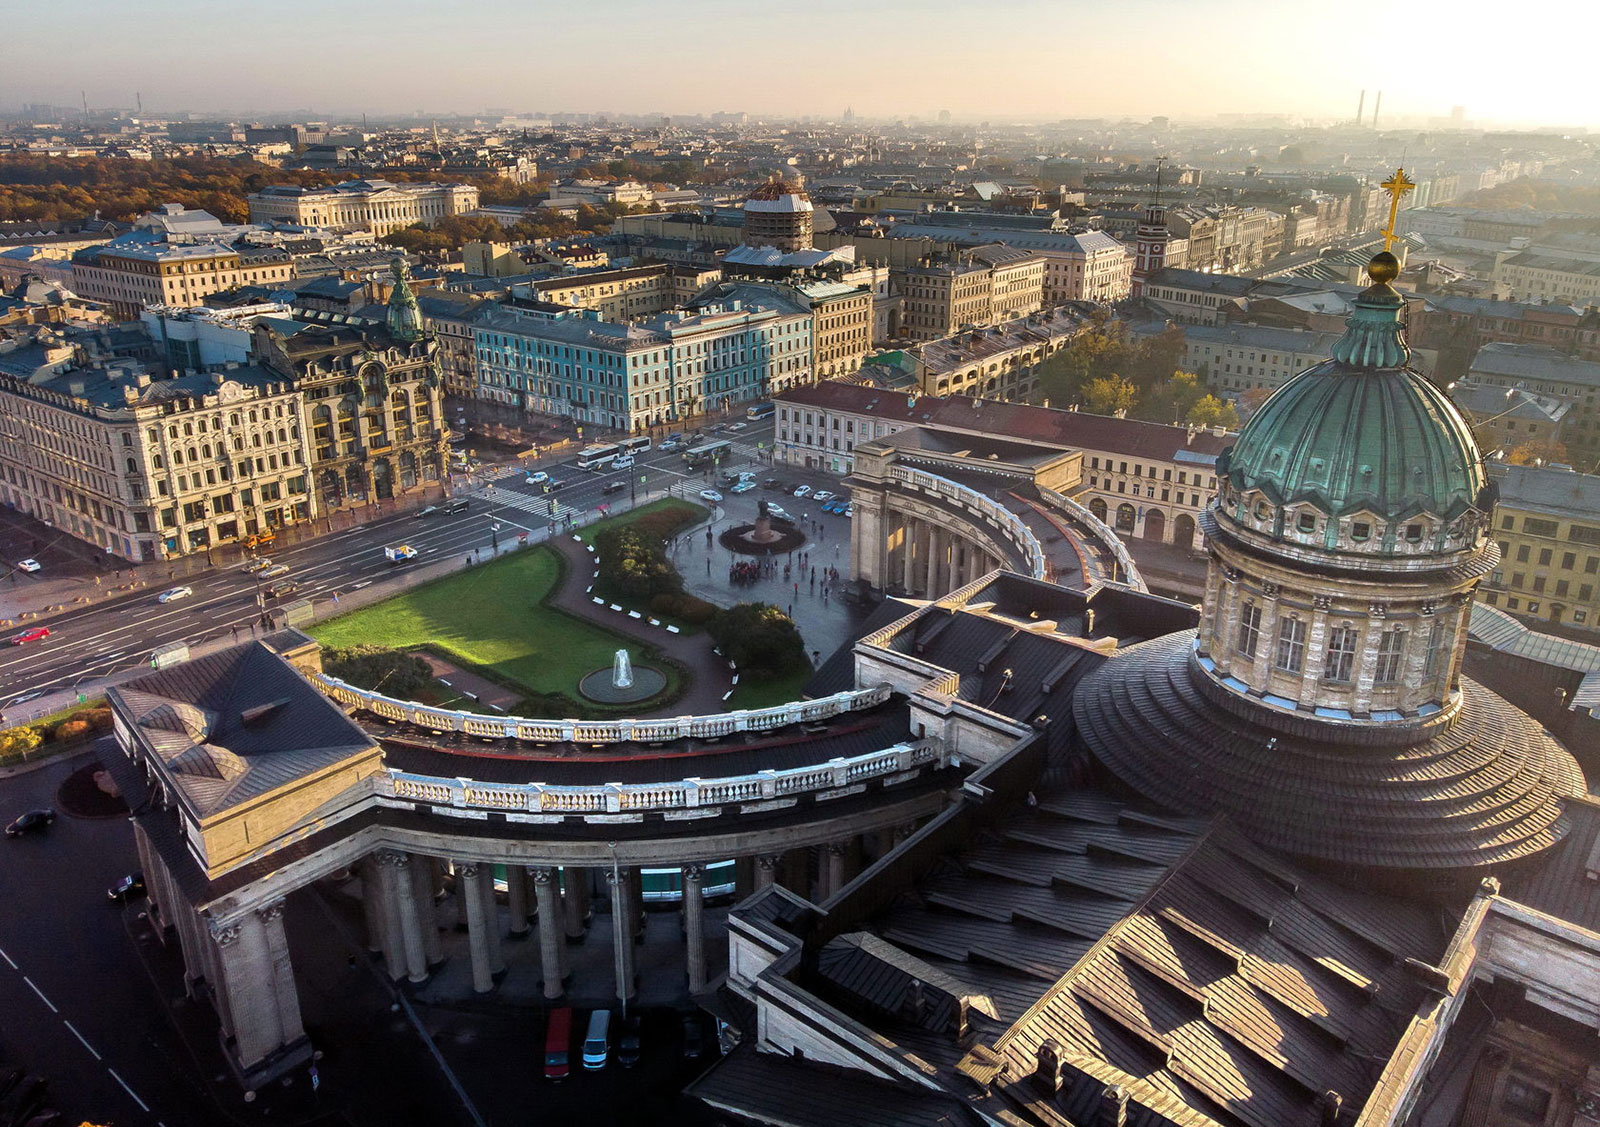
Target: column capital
836,848
224,934
768,862
469,870
273,910
396,858
692,872
615,877
542,874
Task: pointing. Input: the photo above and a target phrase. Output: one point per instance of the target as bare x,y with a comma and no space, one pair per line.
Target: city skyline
1108,63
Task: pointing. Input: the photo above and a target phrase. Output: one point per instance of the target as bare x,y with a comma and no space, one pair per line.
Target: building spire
1397,186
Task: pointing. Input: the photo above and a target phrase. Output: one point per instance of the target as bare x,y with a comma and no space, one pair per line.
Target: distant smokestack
1361,107
1376,106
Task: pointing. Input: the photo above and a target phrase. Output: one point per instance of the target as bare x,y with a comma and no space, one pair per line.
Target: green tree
391,672
1109,395
1209,411
1171,401
758,638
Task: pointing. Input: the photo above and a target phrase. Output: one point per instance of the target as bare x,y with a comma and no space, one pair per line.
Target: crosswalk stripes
537,506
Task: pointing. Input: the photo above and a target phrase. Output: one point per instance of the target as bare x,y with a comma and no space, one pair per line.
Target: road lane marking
39,992
7,958
142,1105
81,1040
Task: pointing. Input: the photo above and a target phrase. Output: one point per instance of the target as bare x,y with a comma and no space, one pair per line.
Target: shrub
99,718
759,638
380,669
69,730
633,565
683,607
16,742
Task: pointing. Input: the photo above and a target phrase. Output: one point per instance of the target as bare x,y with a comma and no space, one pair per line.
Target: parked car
36,634
34,821
275,570
553,484
28,565
130,887
694,1038
822,495
597,1041
849,510
738,426
537,478
426,511
629,1046
710,495
802,491
173,594
257,565
459,505
744,486
772,483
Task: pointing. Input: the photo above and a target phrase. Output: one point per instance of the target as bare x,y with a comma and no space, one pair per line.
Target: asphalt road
99,639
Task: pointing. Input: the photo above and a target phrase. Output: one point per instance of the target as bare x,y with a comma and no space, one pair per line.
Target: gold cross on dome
1397,186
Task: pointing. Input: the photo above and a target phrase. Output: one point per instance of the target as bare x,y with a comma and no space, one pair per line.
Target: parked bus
598,456
557,1041
638,444
760,411
710,452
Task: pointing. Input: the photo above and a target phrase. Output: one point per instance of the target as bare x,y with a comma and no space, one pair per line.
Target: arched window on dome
1290,656
1306,521
1249,630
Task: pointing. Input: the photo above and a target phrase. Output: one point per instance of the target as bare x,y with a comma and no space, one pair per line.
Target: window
1360,530
1430,657
1306,522
1341,653
1414,533
1522,553
1391,648
1291,655
1249,630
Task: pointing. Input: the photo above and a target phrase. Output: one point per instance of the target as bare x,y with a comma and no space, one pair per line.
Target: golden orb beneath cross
1383,268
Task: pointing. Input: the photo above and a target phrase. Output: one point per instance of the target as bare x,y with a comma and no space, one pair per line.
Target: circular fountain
623,683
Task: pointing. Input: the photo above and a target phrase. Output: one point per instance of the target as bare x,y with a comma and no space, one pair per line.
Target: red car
34,635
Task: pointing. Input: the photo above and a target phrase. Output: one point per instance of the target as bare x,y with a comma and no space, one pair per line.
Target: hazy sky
1005,58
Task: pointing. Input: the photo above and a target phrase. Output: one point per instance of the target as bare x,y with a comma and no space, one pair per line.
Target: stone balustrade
684,794
602,731
983,508
1102,532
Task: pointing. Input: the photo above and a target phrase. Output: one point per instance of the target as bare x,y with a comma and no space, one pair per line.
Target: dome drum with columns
1320,703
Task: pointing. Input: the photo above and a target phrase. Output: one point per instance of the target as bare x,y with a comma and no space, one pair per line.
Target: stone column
416,960
636,903
517,896
289,1024
621,940
251,988
576,901
424,876
470,877
551,947
766,871
372,901
912,529
694,926
394,949
491,914
833,869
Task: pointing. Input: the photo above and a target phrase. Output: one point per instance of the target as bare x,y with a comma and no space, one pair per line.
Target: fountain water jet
622,671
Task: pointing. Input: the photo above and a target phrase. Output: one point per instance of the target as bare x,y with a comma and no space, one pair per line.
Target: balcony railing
635,798
533,730
980,506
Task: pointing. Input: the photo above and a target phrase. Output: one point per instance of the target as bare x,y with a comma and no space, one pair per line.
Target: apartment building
1541,275
998,362
842,315
978,287
1549,374
1235,358
626,376
377,206
149,466
620,295
1144,479
129,276
1548,526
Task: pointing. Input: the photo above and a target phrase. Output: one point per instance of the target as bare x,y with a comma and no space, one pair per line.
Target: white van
597,1042
625,462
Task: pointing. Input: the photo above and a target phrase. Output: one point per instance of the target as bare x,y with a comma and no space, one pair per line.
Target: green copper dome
1361,432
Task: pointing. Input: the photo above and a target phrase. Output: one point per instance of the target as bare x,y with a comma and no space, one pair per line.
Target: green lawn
687,510
755,692
492,617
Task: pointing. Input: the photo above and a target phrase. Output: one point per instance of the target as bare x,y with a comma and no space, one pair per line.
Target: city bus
557,1043
598,456
638,444
665,886
710,452
760,411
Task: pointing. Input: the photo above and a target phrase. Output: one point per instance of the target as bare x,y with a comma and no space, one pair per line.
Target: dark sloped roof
1486,790
794,1092
1565,882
